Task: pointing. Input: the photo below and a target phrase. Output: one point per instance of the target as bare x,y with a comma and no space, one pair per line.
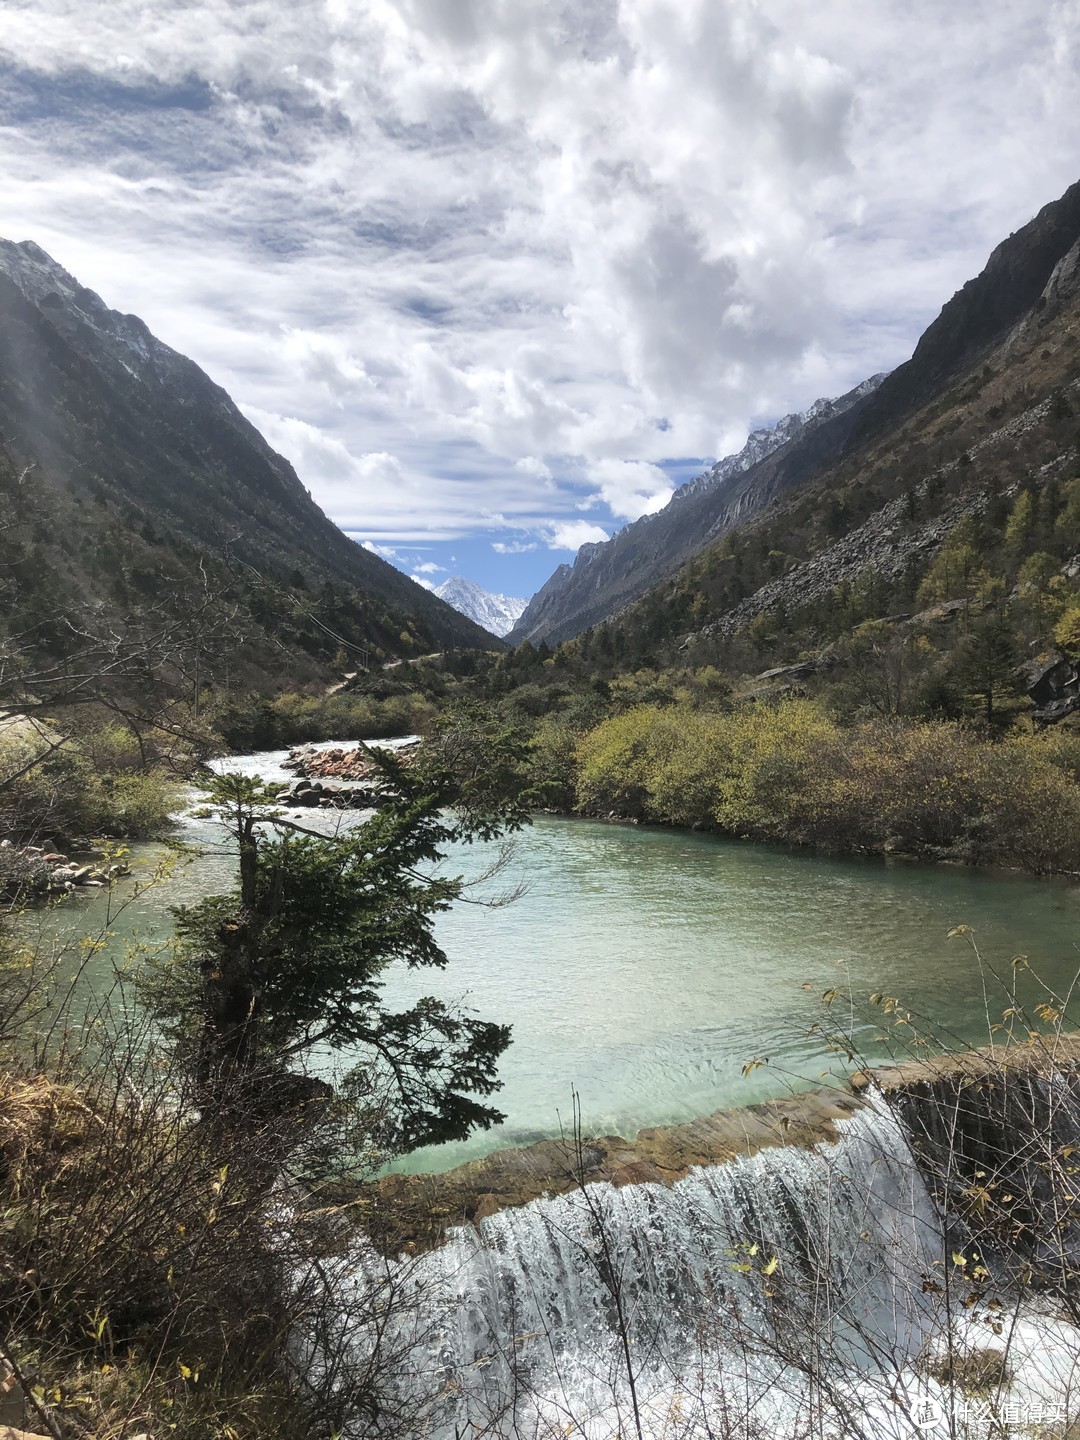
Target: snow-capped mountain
497,613
606,576
763,443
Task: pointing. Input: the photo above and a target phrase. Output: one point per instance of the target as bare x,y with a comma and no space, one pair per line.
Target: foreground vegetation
168,1259
101,780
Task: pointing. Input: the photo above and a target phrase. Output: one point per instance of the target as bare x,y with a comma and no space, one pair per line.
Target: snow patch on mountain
762,443
497,613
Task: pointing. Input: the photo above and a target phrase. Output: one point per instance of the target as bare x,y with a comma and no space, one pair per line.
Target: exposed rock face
1015,285
884,543
607,576
963,1117
887,543
1053,684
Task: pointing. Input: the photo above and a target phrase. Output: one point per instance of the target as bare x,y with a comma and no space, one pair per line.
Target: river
644,968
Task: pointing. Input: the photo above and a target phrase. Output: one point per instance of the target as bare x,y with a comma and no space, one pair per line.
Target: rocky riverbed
338,779
41,870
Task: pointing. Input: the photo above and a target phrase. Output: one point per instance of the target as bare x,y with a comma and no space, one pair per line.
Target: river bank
790,773
936,793
644,967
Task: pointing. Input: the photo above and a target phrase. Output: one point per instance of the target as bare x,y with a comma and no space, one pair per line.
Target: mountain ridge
978,317
606,575
989,462
101,412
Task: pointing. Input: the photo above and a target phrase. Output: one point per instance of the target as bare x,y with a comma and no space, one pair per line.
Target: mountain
964,462
972,325
763,443
139,456
607,575
496,613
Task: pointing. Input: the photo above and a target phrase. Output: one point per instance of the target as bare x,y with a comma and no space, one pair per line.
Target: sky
496,275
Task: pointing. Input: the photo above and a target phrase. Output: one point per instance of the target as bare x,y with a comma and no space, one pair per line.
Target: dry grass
151,1276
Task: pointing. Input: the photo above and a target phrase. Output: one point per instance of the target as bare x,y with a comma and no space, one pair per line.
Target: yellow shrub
790,773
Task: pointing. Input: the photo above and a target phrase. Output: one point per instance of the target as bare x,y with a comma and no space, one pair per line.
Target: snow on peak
497,613
762,443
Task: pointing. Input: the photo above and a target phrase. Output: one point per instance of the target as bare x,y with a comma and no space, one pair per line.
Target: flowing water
789,1294
645,967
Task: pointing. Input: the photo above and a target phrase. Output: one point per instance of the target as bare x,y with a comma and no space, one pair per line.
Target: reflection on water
645,967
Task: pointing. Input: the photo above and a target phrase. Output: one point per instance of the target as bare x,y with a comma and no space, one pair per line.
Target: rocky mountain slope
1011,288
992,453
133,443
497,613
606,576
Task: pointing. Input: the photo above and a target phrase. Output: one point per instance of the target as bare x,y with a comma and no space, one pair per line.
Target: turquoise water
644,968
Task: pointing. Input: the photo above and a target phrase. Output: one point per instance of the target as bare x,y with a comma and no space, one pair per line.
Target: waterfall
779,1276
787,1294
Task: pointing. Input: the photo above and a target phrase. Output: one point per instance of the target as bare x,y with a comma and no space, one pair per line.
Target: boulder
1053,683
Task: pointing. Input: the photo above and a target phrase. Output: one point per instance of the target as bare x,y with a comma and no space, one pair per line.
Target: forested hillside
137,496
965,382
886,659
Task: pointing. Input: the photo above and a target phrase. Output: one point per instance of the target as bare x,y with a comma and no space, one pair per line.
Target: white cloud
423,580
514,547
572,534
429,568
630,488
459,258
534,466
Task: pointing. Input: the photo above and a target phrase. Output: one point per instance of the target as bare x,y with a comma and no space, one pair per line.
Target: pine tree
294,956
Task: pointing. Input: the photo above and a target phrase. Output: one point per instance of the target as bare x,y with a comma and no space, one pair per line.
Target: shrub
790,773
63,795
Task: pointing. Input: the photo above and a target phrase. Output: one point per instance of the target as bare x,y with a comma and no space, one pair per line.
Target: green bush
253,722
790,773
66,797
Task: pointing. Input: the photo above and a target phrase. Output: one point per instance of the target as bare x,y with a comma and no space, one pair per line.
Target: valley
531,1076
